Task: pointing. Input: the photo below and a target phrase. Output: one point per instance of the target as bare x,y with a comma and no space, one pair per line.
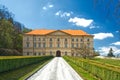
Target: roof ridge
47,31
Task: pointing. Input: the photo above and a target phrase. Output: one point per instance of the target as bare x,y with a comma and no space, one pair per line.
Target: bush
7,64
102,71
9,52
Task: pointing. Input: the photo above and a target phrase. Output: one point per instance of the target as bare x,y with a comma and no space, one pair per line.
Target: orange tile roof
75,32
71,32
39,32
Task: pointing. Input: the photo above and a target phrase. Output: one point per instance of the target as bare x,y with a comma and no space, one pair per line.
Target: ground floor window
50,52
65,53
43,53
39,53
27,53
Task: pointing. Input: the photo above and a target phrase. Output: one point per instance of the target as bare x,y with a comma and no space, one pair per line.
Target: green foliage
24,72
9,52
25,30
7,64
84,74
10,30
6,31
99,70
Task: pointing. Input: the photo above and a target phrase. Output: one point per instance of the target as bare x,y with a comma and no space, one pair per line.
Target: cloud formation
63,14
105,50
47,7
92,27
101,36
80,21
116,43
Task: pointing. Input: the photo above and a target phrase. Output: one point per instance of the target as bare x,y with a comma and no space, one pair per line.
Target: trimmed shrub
7,64
99,70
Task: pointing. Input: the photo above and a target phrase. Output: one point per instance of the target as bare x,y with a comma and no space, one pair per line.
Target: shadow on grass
18,73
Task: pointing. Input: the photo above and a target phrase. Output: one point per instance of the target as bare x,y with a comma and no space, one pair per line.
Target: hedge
16,62
104,72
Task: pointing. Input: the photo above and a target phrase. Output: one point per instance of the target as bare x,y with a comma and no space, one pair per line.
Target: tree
110,54
5,14
84,51
6,31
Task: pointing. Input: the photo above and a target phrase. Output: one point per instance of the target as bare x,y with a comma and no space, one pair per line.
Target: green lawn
108,61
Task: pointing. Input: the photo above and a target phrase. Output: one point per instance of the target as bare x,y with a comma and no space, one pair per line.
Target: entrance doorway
58,53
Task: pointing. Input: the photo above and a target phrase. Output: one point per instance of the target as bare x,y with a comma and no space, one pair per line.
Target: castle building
55,42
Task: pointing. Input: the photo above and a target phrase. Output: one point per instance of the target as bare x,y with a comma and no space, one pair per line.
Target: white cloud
47,7
116,43
63,14
92,27
101,36
44,8
105,50
81,21
50,6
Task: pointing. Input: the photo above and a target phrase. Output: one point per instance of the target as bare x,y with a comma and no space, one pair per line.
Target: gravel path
57,69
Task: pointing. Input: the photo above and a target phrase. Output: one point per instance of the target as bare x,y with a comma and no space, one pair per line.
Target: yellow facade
57,43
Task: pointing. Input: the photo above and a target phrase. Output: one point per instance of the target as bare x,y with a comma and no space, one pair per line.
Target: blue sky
70,14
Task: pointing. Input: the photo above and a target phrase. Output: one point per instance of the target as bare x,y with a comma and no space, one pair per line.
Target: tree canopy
10,30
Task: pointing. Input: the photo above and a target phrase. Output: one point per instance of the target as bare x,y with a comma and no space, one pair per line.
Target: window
27,53
44,45
50,52
88,44
76,54
72,39
77,40
77,45
27,38
39,39
35,45
58,45
34,38
58,39
65,53
88,40
43,39
43,53
34,53
72,45
39,53
81,40
39,45
27,44
81,45
50,39
65,45
50,45
65,39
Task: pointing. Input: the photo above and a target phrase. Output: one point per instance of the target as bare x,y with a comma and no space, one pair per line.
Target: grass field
108,61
